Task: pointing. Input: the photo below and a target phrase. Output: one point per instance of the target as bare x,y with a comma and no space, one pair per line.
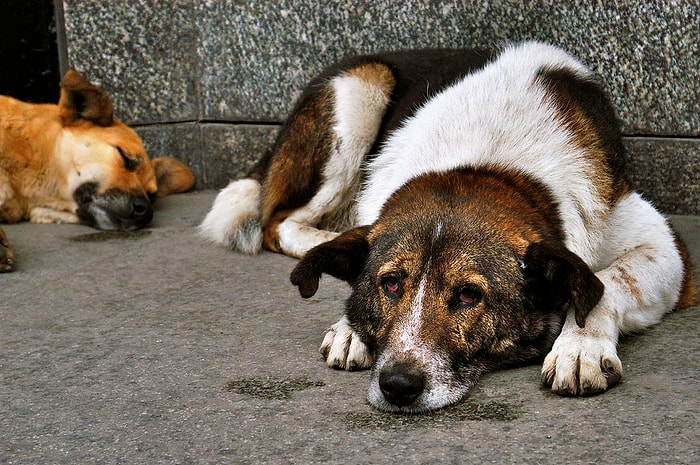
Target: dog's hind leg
650,276
355,103
6,256
313,170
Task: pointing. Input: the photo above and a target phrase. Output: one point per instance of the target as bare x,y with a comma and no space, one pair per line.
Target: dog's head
447,287
109,174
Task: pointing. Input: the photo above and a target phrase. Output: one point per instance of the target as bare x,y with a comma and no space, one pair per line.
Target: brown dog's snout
401,383
140,206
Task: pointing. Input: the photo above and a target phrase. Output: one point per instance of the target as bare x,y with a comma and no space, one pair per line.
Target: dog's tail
234,219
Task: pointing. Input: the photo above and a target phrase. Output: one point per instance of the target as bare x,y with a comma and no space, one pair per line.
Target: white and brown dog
485,221
74,163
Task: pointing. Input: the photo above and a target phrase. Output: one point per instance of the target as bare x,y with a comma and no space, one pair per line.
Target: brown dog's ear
172,176
343,258
556,276
81,100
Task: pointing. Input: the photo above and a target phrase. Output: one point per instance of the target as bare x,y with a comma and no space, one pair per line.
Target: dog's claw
611,373
547,377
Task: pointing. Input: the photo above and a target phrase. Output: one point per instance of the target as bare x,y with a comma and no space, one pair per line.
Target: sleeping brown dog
75,163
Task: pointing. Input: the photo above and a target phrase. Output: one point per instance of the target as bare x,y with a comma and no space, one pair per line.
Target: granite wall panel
231,60
667,172
230,151
145,53
643,51
182,141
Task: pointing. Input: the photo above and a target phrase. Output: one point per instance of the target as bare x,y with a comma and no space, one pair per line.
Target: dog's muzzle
414,385
401,383
113,210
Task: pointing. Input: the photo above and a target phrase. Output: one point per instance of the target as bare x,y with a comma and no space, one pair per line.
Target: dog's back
534,110
377,121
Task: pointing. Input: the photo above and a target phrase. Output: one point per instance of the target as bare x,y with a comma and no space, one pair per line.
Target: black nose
401,383
140,206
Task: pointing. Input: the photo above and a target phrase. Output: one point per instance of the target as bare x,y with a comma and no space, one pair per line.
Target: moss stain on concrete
271,388
465,411
104,236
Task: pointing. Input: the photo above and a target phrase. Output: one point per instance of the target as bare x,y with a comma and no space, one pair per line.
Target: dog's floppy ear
343,257
81,100
556,276
172,176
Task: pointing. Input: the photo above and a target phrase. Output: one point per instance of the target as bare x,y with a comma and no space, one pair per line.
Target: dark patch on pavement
271,388
104,236
465,411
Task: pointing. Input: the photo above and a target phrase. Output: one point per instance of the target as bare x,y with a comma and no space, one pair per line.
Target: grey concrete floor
155,347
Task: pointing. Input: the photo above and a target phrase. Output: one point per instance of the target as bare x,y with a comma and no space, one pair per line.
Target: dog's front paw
581,365
6,256
343,349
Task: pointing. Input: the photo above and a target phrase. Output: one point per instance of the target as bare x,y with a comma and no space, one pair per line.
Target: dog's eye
129,163
469,296
391,285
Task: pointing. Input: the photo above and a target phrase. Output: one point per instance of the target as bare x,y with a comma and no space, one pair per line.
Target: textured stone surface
230,151
182,141
643,51
216,153
666,171
143,52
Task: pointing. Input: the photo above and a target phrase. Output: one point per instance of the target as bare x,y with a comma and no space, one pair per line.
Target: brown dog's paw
6,257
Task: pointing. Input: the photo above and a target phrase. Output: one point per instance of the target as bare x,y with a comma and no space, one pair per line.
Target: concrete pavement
155,347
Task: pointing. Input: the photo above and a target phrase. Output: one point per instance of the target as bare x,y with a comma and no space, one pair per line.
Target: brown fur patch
81,100
6,255
376,74
305,143
628,281
689,290
468,234
271,238
585,110
302,148
172,176
526,212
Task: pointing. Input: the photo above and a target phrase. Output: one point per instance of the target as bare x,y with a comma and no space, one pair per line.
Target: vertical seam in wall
196,11
61,42
202,147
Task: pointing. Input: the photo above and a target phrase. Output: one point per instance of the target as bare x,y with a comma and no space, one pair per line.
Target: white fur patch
407,339
296,237
359,108
233,219
50,215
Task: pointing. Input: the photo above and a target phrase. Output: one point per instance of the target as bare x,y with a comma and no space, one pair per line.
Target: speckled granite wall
205,80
